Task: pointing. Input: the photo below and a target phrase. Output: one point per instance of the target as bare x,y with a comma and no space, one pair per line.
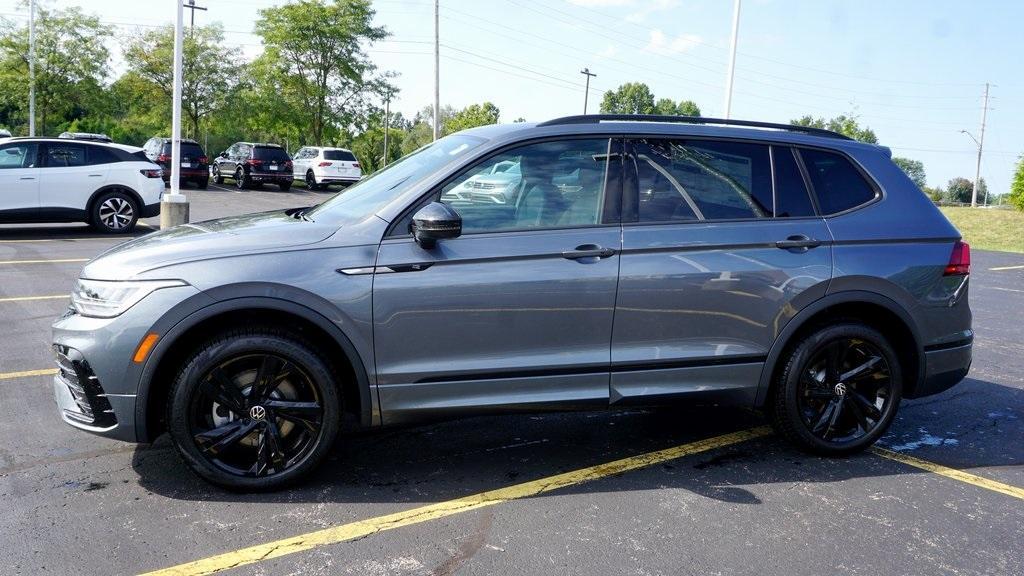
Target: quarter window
546,185
18,156
837,184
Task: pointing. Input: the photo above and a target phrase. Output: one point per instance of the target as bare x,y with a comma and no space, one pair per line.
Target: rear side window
791,197
343,155
65,155
683,180
837,184
269,153
101,155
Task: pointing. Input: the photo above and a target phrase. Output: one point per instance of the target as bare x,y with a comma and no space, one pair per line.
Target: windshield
375,191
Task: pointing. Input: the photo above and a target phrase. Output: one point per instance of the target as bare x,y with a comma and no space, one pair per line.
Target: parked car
251,163
497,184
5,133
56,180
779,267
195,166
320,167
87,136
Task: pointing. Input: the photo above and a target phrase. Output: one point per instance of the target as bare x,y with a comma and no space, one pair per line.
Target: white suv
320,166
109,186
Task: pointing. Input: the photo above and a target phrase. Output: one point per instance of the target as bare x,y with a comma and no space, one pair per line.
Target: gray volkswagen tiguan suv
634,260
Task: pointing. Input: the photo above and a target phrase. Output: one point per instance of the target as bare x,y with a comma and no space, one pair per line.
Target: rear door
69,176
19,180
719,252
517,311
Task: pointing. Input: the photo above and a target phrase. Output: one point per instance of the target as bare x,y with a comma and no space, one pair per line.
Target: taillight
322,164
959,260
355,165
203,159
254,162
288,164
152,173
163,158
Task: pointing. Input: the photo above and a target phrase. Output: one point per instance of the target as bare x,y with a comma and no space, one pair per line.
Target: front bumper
944,368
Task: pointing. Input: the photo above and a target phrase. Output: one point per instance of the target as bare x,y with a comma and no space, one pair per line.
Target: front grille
74,372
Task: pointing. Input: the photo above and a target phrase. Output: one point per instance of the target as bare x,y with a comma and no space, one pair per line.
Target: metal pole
387,126
981,145
437,71
586,72
732,58
174,207
32,68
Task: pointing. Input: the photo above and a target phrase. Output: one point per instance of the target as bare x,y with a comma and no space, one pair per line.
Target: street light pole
586,72
32,67
387,125
732,58
981,145
174,207
437,71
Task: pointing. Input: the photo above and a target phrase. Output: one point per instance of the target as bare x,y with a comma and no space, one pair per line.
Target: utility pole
437,71
981,145
732,58
192,6
174,207
586,72
32,67
387,124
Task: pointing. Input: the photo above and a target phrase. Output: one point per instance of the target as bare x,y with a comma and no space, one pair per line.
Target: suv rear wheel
311,181
254,410
838,391
242,180
115,212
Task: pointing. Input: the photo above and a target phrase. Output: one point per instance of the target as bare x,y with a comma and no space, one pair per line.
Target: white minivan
109,186
320,166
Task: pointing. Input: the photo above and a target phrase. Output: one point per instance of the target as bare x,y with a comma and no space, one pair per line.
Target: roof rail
597,118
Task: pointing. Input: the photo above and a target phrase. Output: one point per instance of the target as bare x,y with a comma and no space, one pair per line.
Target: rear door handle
798,241
588,251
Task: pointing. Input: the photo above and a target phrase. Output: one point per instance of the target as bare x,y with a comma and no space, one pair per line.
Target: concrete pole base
173,211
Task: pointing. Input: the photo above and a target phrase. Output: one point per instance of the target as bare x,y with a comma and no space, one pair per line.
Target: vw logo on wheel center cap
840,389
258,412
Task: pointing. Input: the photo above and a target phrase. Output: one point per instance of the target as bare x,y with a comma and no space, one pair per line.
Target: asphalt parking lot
638,492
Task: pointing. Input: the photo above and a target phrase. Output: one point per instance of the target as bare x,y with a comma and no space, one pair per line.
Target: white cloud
661,44
609,51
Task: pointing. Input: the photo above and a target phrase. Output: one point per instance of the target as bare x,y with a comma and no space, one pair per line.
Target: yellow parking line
363,528
951,473
58,261
27,373
27,298
1001,268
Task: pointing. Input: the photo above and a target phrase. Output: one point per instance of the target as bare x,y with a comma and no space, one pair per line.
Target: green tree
1016,197
324,73
667,107
472,116
914,169
629,98
72,61
961,189
421,132
846,125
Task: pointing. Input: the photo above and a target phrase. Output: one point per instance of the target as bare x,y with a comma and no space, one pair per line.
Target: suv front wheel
254,409
838,391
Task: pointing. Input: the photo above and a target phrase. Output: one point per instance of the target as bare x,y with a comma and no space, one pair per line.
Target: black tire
242,180
114,212
284,186
259,437
217,178
203,184
838,391
311,181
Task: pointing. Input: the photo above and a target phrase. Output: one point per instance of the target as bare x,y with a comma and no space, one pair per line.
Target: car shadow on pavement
452,459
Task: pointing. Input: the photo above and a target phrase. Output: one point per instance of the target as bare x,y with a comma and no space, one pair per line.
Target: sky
914,71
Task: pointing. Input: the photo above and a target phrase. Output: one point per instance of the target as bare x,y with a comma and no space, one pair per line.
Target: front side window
837,184
18,156
65,155
681,180
546,185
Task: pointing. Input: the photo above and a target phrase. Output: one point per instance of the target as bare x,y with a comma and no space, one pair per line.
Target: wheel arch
177,341
871,308
111,188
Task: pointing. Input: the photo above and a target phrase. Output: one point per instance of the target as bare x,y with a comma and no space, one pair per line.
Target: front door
517,311
19,181
721,248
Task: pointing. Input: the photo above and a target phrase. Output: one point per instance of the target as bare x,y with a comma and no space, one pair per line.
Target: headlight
106,299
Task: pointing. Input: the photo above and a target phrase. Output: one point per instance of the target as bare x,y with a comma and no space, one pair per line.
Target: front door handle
798,241
588,251
27,178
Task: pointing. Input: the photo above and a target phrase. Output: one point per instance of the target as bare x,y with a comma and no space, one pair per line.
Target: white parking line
1001,268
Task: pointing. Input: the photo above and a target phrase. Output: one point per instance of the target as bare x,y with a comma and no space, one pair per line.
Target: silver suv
639,261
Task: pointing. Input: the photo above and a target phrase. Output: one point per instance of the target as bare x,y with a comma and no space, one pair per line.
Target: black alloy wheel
241,180
839,391
216,175
255,412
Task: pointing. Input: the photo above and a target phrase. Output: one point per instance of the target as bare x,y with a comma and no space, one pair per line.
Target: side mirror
433,222
222,155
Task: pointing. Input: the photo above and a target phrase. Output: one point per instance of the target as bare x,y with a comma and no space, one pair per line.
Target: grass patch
989,229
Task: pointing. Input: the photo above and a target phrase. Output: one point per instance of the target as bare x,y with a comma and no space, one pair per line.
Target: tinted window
546,185
791,197
18,156
65,155
683,180
343,155
837,183
270,153
101,155
188,149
